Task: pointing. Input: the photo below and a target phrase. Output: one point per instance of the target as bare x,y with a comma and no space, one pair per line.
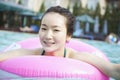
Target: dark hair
66,13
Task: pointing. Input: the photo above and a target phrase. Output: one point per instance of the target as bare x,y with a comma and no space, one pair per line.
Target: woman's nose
49,35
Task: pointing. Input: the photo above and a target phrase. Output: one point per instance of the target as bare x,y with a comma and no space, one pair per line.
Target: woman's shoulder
71,52
74,53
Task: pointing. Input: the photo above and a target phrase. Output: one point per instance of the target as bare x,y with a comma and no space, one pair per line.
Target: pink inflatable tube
54,67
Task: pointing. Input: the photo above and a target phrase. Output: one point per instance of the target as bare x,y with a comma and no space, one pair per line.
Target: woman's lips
49,43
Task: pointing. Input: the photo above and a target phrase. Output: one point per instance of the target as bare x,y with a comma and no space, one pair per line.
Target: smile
49,43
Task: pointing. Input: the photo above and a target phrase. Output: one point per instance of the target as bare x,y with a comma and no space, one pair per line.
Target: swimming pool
112,51
8,37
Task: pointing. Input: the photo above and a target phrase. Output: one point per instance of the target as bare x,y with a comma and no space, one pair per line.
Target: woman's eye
56,30
43,29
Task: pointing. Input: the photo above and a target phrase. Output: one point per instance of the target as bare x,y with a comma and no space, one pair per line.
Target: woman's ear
68,39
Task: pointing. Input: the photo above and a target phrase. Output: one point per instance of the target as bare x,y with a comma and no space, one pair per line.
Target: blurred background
95,19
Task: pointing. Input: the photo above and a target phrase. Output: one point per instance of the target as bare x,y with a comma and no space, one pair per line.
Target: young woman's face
53,32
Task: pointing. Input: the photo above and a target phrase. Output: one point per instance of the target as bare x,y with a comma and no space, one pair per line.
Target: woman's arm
109,69
16,53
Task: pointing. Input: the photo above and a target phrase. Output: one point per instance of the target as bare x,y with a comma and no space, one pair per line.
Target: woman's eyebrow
44,25
54,26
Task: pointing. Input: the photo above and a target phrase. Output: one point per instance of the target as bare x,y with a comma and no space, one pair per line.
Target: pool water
8,37
112,51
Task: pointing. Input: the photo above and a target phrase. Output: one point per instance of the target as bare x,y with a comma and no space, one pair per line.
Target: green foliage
114,19
42,9
107,13
97,11
112,15
68,7
86,10
77,9
19,2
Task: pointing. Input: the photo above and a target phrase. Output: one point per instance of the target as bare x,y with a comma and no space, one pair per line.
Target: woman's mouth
48,43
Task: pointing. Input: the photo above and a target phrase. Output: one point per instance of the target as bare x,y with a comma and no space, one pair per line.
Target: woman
56,29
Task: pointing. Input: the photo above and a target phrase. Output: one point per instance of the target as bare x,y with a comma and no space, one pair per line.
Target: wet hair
67,14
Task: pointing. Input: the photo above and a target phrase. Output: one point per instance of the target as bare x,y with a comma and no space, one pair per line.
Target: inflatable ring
54,67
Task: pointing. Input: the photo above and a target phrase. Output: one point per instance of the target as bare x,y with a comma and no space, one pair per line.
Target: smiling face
53,32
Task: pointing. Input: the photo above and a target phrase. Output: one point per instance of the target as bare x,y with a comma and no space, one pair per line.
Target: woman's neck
59,53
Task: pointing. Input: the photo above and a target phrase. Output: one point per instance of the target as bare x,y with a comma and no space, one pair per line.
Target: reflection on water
112,51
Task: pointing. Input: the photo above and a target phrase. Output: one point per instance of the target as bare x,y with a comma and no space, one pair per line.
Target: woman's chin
48,50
